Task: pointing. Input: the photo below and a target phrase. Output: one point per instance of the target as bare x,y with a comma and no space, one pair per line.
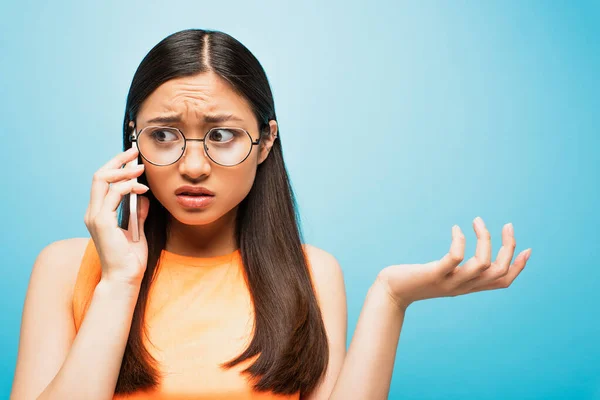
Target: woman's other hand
408,283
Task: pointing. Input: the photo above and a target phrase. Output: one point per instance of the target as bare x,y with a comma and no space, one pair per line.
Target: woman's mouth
194,200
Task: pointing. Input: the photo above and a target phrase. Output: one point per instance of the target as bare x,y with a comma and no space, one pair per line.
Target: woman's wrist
116,287
381,286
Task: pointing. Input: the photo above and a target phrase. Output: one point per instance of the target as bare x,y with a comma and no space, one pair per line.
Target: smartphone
133,214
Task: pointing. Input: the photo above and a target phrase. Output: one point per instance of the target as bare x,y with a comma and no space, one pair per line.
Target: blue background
398,120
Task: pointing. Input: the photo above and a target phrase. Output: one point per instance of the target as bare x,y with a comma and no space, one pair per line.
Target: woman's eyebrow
208,118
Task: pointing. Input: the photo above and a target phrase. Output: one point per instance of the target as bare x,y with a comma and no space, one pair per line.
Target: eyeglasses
161,145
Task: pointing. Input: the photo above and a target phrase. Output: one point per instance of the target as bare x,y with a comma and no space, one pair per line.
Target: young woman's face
192,98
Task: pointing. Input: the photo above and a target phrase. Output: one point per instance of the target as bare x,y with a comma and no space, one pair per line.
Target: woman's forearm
367,369
92,366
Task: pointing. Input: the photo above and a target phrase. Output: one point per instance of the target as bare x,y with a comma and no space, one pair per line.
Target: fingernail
511,229
456,232
478,221
527,254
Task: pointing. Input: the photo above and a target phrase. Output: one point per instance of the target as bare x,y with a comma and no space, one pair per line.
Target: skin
202,232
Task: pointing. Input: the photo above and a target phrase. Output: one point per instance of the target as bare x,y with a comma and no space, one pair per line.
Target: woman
219,298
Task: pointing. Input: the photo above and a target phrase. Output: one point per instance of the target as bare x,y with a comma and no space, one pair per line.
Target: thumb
143,210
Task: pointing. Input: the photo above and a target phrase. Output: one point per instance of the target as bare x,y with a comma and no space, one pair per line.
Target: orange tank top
199,314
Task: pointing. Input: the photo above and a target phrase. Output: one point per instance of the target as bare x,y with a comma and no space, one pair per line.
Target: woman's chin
196,217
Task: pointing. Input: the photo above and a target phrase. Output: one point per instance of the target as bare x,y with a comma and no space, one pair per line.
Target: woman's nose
194,161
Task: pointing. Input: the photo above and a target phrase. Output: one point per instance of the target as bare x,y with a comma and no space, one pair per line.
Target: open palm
407,283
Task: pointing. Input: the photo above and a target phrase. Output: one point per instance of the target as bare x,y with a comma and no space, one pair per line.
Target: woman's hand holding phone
122,258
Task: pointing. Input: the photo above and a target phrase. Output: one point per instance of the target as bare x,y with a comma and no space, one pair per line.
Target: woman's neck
210,240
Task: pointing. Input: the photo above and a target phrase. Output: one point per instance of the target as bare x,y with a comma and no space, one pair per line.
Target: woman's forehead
194,97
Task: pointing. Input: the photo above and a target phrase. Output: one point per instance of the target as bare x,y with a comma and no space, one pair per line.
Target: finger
142,210
456,254
103,179
122,158
116,193
482,259
117,175
99,186
505,281
500,267
483,251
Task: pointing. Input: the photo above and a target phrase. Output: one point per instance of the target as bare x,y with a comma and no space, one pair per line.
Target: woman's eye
163,135
220,135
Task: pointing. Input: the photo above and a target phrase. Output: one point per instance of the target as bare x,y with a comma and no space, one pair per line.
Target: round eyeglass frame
133,138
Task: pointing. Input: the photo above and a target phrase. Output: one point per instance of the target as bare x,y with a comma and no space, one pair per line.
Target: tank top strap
88,276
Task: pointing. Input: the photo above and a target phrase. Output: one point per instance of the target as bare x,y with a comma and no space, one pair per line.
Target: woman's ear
267,141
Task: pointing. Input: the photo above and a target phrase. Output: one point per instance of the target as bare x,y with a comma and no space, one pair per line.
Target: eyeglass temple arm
132,135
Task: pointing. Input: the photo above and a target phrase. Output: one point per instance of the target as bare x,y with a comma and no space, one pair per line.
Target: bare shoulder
47,330
325,268
60,260
330,291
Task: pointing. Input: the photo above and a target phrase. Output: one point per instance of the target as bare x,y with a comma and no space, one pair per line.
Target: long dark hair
289,335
